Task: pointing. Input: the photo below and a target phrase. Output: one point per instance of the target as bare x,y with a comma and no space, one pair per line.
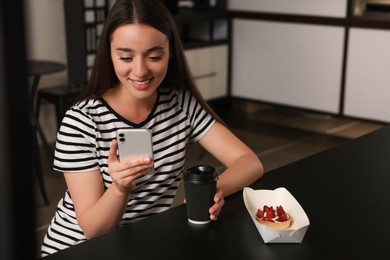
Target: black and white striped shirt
83,143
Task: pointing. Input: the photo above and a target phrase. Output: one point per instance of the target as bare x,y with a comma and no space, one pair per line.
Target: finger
147,161
138,162
125,181
217,207
145,171
215,214
218,195
214,211
136,166
112,154
218,198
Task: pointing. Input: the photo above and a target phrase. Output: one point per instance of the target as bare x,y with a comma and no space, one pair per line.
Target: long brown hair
148,12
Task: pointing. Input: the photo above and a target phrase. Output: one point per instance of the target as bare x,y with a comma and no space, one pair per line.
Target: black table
35,69
345,192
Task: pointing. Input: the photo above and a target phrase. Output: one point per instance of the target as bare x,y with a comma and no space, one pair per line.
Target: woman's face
140,55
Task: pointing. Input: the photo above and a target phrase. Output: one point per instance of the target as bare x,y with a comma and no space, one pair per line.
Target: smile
140,82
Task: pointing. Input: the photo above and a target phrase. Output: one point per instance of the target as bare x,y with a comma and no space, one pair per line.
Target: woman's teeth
141,82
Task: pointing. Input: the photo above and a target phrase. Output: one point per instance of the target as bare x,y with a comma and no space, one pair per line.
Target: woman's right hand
124,173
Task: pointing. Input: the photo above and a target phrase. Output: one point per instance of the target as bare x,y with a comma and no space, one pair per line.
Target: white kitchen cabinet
291,64
329,8
209,66
367,92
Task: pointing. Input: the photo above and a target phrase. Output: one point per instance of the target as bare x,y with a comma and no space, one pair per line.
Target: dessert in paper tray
256,199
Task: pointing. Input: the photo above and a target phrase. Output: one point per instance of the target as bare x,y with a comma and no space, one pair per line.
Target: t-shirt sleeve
76,143
200,120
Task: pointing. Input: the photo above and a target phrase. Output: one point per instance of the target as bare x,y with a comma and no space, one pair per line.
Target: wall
351,72
45,35
45,39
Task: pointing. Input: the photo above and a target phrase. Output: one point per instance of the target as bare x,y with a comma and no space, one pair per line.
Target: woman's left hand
216,208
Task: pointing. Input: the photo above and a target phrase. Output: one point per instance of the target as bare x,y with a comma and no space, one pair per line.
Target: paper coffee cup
200,184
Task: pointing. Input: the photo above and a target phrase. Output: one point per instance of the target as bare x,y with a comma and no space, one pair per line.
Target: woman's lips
140,82
141,85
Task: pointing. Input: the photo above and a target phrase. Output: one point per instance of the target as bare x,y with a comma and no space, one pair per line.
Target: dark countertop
343,190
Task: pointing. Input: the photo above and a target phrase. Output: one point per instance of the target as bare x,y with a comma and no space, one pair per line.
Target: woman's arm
98,210
243,167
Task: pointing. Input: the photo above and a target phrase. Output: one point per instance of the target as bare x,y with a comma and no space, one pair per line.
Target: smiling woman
140,79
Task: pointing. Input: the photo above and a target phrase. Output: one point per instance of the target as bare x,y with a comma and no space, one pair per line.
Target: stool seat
61,96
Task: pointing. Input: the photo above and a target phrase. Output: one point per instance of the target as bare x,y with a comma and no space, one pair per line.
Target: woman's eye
155,58
125,58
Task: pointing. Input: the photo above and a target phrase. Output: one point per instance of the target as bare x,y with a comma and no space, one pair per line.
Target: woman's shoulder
89,106
176,95
85,112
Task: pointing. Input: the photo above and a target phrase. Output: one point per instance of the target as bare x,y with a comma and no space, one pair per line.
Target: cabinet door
209,67
332,8
289,64
367,93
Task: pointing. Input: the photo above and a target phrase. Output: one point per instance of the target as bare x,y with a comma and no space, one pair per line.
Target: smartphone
134,143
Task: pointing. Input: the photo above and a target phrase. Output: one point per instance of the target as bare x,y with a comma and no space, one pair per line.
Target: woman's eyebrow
155,48
124,49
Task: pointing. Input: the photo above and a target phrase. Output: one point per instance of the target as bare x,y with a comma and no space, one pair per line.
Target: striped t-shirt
83,143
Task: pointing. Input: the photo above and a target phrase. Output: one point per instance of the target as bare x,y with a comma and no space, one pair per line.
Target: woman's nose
140,68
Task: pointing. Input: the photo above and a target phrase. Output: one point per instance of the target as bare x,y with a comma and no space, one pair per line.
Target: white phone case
134,143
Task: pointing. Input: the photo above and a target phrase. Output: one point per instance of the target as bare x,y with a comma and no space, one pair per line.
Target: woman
140,79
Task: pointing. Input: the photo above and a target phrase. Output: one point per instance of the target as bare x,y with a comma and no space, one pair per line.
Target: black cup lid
201,174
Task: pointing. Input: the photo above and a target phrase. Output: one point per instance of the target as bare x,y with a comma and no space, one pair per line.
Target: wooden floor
278,136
